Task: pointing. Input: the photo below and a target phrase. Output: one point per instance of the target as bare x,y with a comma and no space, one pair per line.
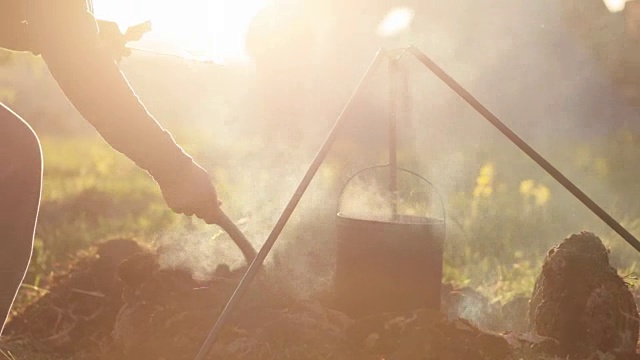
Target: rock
581,301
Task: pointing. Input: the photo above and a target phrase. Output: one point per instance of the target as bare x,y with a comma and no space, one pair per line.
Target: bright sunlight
210,29
396,21
615,5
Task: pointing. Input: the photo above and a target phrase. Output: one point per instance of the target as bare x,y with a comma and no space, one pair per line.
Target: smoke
369,196
255,185
367,201
472,309
198,252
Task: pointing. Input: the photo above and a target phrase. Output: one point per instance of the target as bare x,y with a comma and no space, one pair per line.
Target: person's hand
192,193
115,41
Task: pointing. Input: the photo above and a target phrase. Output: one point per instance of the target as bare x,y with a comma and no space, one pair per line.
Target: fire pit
389,253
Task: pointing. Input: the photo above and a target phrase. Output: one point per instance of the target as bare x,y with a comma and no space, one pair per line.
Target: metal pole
544,164
394,72
293,202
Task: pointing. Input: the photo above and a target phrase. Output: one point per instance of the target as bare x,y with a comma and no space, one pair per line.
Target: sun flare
615,5
211,29
396,21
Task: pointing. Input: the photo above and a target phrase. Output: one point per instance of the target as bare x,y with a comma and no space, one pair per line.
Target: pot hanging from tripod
390,245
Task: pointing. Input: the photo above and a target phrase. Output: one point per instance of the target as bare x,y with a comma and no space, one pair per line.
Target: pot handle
440,197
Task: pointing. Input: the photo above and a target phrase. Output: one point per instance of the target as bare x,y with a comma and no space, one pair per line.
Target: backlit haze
207,29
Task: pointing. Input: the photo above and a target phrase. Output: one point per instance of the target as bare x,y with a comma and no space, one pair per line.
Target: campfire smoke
199,254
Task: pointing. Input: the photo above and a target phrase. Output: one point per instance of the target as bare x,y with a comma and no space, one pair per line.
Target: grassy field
500,224
501,218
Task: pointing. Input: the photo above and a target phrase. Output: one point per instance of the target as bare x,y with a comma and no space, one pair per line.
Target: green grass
91,193
500,224
507,219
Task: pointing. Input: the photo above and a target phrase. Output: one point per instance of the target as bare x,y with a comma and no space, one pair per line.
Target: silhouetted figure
66,35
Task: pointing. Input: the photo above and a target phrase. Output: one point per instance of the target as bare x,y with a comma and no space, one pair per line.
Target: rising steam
371,197
198,252
262,186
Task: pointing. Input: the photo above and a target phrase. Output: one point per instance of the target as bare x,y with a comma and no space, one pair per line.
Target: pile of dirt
167,315
426,334
116,302
581,301
79,308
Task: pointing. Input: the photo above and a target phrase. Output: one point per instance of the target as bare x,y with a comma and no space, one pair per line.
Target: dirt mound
167,314
116,302
79,308
161,303
581,301
426,334
305,330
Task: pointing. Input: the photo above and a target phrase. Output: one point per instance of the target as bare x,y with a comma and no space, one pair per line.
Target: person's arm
66,35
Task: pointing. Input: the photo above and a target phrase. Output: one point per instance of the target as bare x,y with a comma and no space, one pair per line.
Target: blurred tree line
613,37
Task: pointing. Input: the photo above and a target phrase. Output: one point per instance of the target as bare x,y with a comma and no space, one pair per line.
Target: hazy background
522,60
257,121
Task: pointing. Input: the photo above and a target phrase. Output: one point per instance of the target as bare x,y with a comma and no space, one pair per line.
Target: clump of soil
426,334
79,308
167,314
581,301
304,330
